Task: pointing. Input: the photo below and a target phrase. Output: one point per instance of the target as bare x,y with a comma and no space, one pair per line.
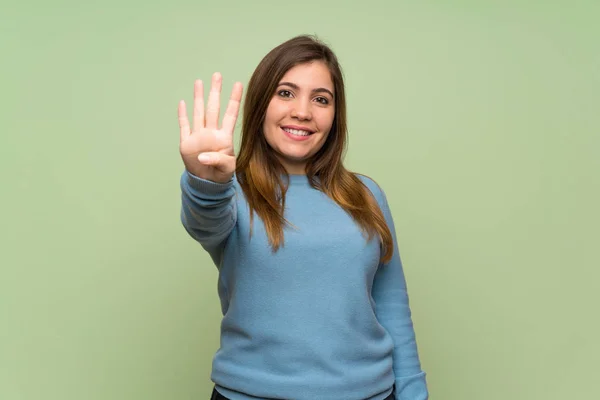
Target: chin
295,158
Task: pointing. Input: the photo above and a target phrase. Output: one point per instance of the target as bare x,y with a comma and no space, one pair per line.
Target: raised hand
206,149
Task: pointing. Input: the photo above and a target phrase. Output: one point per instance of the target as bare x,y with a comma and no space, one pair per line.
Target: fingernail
204,158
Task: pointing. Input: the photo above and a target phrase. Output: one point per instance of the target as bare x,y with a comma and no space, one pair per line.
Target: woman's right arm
208,210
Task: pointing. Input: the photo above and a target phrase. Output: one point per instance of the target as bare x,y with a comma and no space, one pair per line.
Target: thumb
220,161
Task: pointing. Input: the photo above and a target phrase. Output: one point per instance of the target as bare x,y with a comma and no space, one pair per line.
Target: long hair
259,171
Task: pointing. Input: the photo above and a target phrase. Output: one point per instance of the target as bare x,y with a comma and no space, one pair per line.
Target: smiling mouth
297,132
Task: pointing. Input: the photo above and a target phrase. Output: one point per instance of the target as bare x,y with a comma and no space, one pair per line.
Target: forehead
309,76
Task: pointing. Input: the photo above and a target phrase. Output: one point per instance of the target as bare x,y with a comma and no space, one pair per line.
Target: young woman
312,290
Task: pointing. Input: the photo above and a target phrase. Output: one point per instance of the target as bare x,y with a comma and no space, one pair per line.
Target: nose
301,110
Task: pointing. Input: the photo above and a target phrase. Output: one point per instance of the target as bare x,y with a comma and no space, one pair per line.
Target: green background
479,120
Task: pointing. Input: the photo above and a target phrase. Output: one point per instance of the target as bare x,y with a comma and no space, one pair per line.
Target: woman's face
300,115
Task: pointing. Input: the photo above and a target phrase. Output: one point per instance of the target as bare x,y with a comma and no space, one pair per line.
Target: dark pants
218,396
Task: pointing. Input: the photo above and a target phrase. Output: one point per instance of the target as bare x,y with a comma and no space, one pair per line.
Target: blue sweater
321,318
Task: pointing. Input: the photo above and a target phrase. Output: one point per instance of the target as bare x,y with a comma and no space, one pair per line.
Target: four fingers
210,118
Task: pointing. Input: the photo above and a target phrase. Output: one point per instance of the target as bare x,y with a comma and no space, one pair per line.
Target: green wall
479,119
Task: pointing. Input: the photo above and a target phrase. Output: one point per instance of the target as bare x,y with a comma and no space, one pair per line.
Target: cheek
275,112
268,115
326,121
270,120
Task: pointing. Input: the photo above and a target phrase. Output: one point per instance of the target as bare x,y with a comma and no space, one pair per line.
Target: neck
294,168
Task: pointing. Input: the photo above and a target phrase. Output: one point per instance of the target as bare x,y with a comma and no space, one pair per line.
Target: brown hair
259,171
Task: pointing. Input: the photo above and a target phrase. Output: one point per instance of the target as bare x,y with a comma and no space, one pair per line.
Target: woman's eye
322,100
284,93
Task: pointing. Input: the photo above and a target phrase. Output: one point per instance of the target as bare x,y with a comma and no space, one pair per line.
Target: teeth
296,132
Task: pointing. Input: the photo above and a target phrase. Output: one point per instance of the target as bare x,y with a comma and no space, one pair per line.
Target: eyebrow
317,90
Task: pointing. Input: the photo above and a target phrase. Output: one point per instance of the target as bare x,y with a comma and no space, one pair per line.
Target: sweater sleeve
208,212
393,312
